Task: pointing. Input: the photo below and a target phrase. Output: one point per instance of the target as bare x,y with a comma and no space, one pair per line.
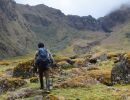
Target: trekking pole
51,76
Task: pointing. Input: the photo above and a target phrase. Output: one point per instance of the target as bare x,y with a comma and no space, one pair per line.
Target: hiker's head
40,45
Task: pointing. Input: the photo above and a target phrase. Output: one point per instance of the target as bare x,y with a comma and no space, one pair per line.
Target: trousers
44,73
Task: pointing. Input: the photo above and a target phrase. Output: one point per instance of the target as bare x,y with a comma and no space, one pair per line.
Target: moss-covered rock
11,84
24,69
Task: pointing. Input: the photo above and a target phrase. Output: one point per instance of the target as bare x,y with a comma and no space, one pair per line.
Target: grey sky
96,8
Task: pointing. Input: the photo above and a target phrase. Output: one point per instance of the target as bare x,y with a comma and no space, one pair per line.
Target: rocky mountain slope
23,26
14,34
119,22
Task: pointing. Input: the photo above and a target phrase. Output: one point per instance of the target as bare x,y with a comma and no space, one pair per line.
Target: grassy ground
93,92
96,92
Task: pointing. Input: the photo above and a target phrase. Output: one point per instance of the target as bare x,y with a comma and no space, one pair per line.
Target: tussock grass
96,92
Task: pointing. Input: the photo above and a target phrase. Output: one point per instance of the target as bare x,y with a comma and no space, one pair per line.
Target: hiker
43,60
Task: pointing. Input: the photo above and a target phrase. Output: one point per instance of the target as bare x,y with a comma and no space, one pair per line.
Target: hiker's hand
34,70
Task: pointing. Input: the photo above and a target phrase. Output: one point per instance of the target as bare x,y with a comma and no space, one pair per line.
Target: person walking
43,59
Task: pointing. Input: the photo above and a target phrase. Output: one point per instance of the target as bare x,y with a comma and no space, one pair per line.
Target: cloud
96,8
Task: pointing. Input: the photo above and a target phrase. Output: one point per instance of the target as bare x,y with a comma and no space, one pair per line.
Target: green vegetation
76,88
23,69
97,92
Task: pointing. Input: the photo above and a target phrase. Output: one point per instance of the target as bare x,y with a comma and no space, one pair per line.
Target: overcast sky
96,8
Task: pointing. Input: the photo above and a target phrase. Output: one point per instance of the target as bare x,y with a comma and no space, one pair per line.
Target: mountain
14,32
118,22
23,26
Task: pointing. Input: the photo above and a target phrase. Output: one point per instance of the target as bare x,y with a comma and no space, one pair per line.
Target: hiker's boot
42,87
47,86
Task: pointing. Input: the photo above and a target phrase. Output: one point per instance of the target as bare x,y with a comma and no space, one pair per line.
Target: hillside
119,22
23,26
14,34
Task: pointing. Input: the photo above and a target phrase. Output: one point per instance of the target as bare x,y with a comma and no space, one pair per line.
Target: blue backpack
42,54
42,58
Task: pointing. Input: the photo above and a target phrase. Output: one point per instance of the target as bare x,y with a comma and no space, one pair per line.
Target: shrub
4,63
2,74
24,70
61,58
80,81
127,56
103,76
64,65
92,68
75,72
79,62
112,55
34,80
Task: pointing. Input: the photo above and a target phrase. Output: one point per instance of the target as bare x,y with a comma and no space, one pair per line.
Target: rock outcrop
86,22
121,71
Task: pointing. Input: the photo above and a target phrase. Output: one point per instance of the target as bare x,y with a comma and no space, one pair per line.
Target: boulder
121,71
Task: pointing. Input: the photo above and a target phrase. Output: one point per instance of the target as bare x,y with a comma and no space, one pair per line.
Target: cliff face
84,23
13,31
23,26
